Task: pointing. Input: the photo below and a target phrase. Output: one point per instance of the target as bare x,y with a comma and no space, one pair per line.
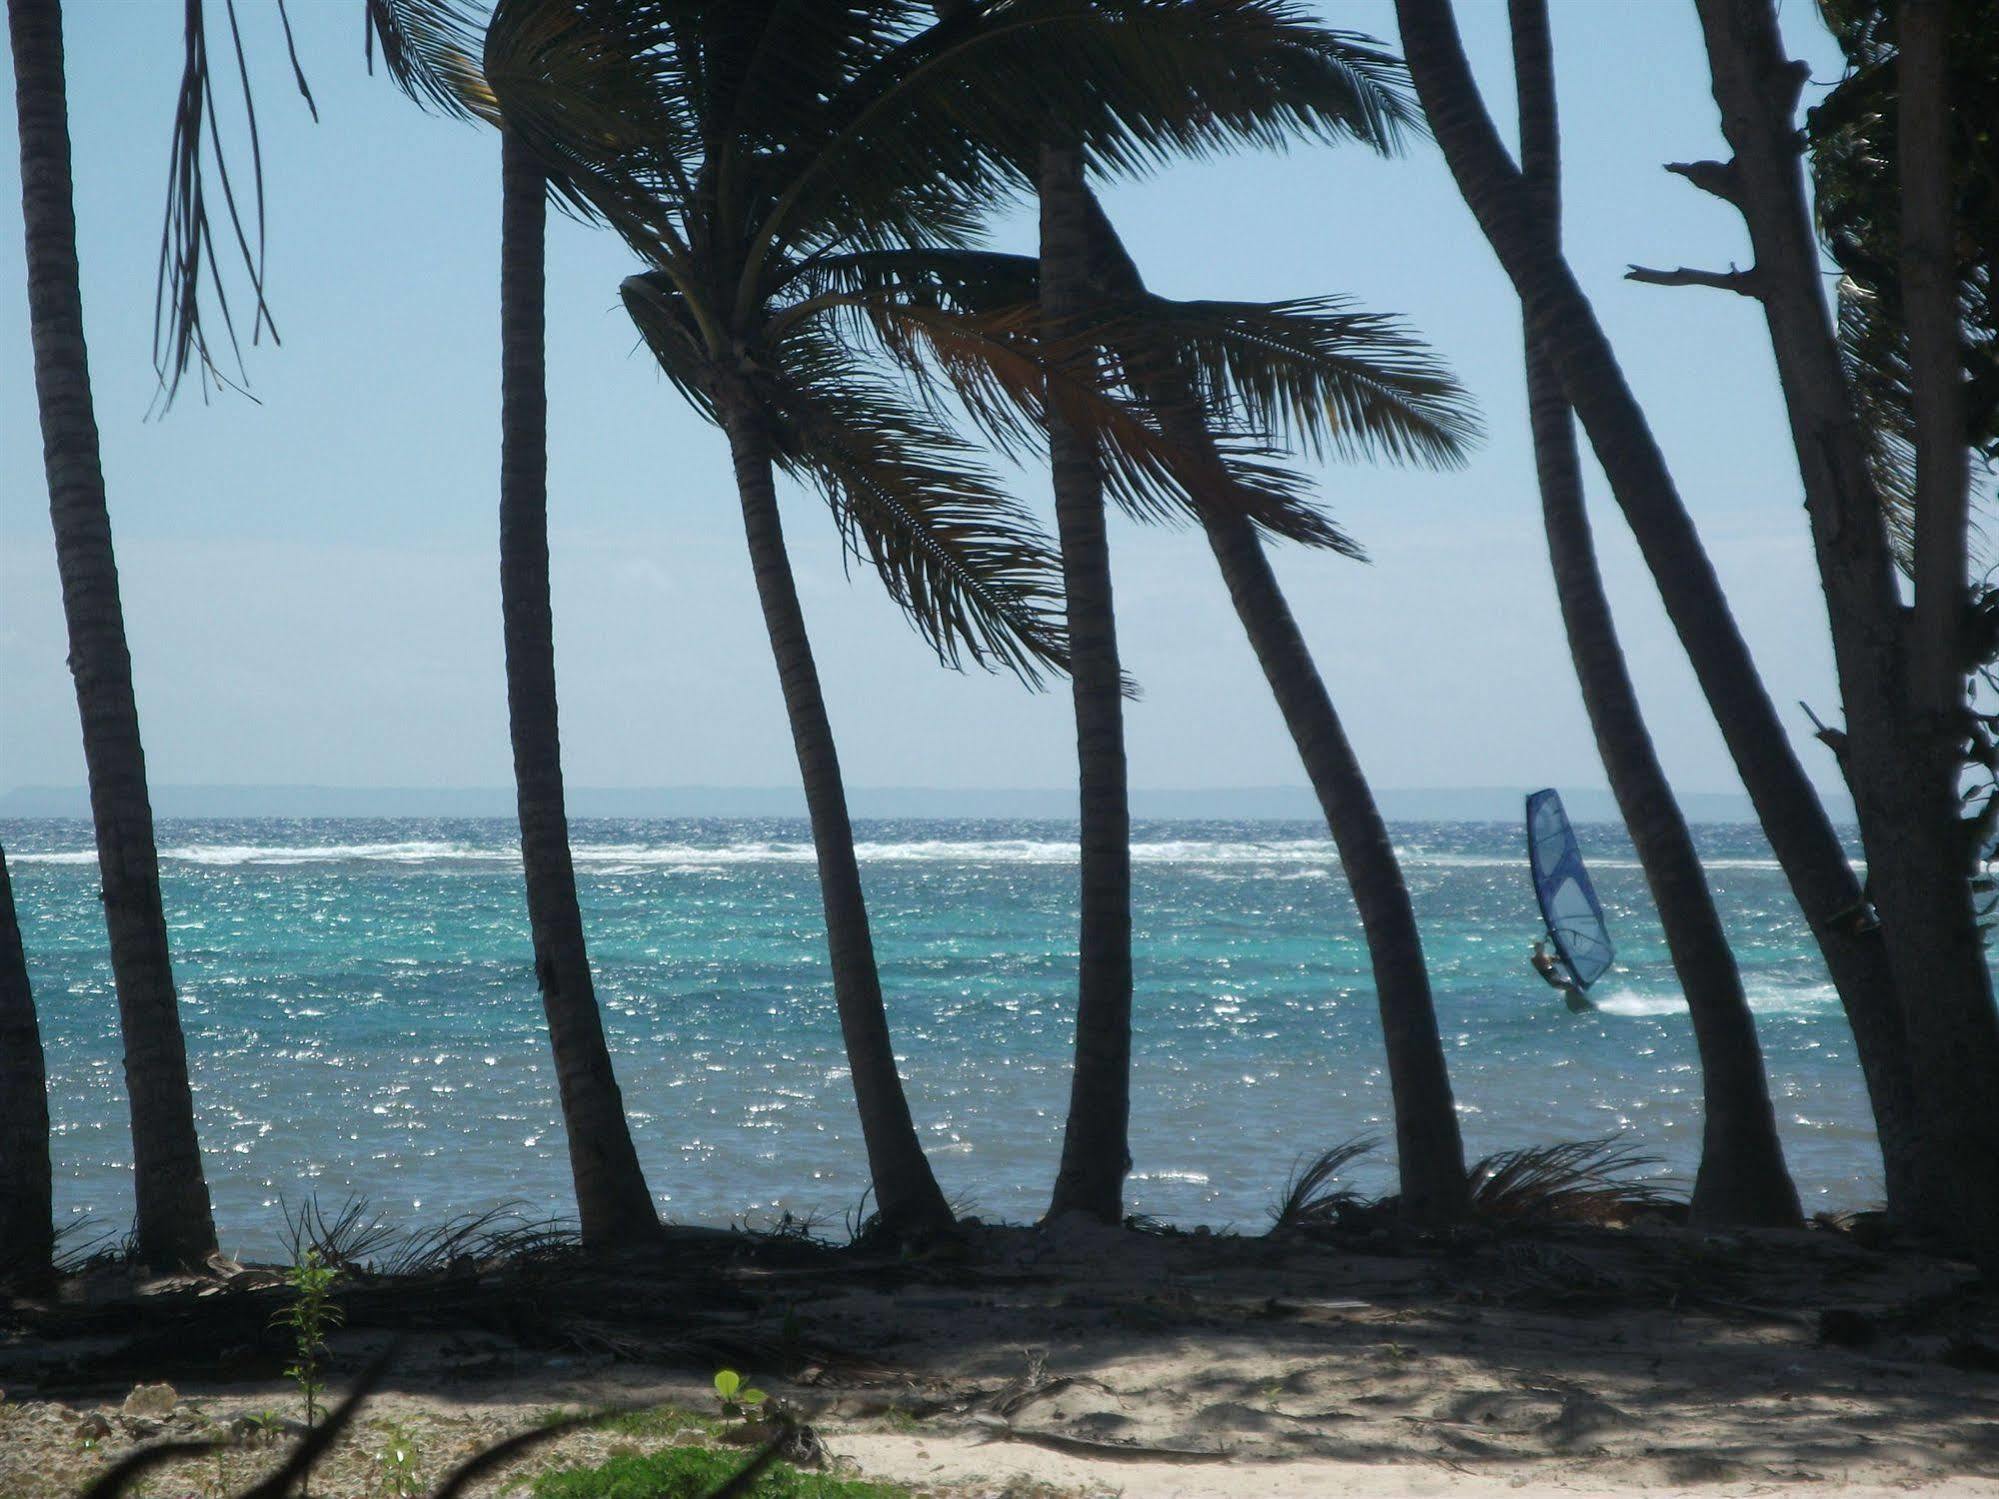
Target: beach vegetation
695,1472
309,1316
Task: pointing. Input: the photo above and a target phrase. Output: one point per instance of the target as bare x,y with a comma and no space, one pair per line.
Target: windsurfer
1557,976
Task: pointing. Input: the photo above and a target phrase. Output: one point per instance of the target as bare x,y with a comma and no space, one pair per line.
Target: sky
310,579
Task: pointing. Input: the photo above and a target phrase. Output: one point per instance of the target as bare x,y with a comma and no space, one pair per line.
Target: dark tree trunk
174,1226
1904,728
1428,1147
906,1192
1096,1150
612,1201
1560,319
1742,1178
27,1204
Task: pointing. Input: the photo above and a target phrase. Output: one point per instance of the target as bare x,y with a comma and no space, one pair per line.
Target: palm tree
173,1222
789,146
1801,835
1346,91
27,1204
429,48
1096,1149
1296,366
1742,1178
1179,401
611,1195
1902,674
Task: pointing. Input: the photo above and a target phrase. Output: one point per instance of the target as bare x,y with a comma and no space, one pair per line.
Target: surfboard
1569,906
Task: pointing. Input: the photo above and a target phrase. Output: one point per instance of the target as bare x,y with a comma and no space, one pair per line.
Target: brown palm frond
1002,369
432,49
1580,1181
1311,372
1313,1198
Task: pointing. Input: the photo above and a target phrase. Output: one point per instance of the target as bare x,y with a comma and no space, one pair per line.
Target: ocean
362,1019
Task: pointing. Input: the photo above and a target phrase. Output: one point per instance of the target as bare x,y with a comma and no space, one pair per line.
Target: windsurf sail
1568,901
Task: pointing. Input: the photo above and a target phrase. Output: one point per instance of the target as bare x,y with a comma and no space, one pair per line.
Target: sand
1104,1361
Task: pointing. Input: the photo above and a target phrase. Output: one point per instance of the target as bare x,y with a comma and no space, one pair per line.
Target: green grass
691,1472
655,1421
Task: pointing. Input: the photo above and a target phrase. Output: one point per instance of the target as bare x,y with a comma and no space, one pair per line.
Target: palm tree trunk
906,1192
173,1224
1904,706
1096,1151
1742,1178
612,1201
1429,1149
1561,320
27,1203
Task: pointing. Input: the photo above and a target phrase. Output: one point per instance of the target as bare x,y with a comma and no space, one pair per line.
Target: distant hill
1271,803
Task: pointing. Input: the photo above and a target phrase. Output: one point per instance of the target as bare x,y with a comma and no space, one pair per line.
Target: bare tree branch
1717,177
1742,283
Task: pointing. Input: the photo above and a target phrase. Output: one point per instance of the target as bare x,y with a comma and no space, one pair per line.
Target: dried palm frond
1580,1181
353,1239
1313,1198
188,253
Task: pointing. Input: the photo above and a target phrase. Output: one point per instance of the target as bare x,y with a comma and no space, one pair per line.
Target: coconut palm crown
805,183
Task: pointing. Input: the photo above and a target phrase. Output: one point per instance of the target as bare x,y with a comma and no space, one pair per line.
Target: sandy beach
1098,1361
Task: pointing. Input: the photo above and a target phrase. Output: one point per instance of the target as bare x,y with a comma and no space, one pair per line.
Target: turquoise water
362,1017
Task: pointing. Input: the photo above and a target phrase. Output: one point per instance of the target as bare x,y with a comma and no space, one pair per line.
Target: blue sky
310,581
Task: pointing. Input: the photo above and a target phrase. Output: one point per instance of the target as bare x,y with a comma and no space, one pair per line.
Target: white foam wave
1765,998
1312,854
1298,852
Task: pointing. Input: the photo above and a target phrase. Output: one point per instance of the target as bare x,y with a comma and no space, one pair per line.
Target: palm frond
431,49
603,95
968,565
1312,372
1313,1198
954,115
189,258
1163,459
1581,1181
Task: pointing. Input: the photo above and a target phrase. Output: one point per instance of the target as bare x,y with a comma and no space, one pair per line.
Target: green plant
739,1401
660,1421
396,1461
693,1472
310,1317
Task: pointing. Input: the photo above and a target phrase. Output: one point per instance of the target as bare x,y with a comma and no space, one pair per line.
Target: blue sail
1568,901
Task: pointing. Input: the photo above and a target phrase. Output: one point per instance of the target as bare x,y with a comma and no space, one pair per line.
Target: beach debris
155,1400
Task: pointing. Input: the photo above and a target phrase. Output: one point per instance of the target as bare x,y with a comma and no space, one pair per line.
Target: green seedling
739,1401
396,1462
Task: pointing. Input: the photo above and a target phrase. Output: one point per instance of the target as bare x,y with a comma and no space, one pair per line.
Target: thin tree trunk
612,1201
173,1224
906,1192
1904,730
1096,1151
1742,1178
1936,359
27,1203
1429,1149
1561,320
